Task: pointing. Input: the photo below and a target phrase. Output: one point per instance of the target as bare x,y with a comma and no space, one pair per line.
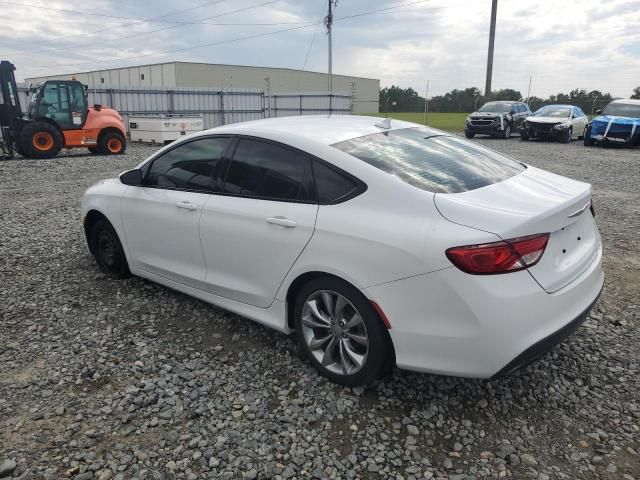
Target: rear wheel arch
298,284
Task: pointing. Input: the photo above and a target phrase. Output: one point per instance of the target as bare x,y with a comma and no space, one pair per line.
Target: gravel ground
127,379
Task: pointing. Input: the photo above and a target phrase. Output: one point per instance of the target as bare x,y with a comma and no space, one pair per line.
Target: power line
224,42
135,22
181,24
306,58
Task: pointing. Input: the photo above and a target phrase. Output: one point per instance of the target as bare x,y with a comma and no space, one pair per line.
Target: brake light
499,257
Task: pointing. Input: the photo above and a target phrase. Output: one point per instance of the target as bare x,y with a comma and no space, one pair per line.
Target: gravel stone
140,381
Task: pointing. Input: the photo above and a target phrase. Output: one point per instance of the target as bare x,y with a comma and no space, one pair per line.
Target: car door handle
187,205
282,221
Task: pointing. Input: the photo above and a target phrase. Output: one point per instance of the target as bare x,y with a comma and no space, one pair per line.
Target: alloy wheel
335,332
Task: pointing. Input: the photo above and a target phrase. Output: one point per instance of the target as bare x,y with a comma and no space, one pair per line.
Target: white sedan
376,242
558,122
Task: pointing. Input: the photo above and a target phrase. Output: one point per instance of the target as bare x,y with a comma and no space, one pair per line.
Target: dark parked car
617,124
498,119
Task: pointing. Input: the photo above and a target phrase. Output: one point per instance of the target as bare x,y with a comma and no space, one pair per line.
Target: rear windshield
435,163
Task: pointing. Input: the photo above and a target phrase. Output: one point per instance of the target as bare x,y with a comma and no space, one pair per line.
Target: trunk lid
529,203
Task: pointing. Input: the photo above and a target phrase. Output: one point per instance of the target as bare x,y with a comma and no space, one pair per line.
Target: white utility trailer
163,129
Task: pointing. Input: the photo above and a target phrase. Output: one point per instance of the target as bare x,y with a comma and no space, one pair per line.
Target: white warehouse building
365,91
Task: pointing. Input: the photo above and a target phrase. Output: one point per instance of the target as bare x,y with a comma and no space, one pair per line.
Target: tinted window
264,170
332,186
436,163
188,166
518,108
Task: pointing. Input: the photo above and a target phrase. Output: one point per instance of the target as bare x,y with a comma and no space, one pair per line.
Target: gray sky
592,44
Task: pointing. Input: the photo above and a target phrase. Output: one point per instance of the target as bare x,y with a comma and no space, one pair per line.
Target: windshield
435,163
558,112
495,107
622,110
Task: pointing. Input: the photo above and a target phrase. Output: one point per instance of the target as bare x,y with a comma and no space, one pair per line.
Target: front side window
189,166
268,171
55,103
432,162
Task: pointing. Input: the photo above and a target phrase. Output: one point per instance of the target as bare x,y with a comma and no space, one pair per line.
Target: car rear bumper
539,349
452,323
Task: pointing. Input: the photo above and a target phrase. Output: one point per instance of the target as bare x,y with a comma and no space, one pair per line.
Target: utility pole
529,89
426,103
328,23
492,37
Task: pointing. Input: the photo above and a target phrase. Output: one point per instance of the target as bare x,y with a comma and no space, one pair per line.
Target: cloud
563,45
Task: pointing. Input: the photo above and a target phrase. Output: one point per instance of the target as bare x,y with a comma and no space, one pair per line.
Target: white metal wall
216,107
365,91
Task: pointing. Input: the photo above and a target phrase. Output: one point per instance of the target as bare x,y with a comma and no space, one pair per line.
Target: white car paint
577,122
388,242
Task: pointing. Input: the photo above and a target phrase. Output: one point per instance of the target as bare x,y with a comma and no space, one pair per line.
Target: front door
255,230
161,217
63,102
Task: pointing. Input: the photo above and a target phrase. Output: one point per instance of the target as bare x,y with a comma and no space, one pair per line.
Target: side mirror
132,177
598,112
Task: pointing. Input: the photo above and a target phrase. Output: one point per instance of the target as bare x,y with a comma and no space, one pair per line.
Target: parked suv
498,119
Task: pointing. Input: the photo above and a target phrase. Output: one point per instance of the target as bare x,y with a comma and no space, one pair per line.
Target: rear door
255,229
161,217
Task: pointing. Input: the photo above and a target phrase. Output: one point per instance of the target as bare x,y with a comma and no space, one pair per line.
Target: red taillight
499,257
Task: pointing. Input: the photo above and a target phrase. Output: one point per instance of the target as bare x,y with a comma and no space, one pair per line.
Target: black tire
507,131
587,140
524,135
379,351
19,149
469,134
40,140
565,137
107,250
93,150
111,143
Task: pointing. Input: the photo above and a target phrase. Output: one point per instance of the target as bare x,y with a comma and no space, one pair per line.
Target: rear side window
189,166
265,170
333,186
435,163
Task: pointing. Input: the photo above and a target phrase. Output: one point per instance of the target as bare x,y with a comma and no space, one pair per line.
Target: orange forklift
58,117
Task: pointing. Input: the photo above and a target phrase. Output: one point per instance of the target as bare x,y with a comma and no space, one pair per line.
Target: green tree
636,93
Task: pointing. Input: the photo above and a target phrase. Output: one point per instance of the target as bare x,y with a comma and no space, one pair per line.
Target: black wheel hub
107,250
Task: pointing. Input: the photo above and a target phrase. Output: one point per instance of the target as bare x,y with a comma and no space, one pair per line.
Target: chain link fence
216,107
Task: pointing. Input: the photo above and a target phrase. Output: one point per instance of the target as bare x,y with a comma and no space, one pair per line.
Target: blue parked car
618,123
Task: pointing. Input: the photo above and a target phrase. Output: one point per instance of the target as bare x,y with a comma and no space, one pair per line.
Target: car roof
628,101
325,129
564,105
